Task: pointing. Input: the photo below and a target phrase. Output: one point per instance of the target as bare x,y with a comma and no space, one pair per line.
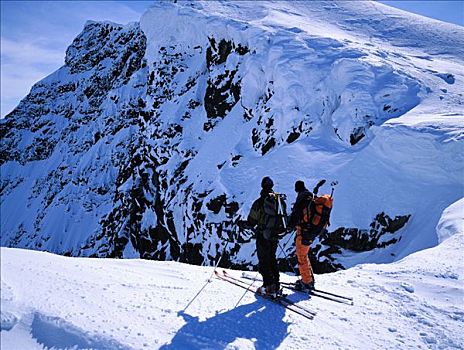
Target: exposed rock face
144,146
223,90
72,131
380,235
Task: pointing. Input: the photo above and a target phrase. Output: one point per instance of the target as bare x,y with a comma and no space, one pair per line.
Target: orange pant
306,271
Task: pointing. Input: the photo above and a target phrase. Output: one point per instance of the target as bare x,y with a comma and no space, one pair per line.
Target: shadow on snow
261,322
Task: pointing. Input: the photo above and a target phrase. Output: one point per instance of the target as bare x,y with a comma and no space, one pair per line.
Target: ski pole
248,288
287,258
209,279
288,239
281,212
333,184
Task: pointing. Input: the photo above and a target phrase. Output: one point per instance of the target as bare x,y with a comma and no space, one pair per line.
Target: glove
290,229
244,225
284,233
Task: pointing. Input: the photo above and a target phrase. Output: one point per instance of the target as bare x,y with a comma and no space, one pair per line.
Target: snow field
54,301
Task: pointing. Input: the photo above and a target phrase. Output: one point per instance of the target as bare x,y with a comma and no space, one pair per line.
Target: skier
303,236
266,216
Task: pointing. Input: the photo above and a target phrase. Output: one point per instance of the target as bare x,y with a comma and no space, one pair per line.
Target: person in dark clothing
303,196
303,237
264,218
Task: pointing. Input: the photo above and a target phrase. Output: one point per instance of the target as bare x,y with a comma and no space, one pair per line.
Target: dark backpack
273,220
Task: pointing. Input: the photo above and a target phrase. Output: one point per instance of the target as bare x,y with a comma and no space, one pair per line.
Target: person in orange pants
304,265
303,241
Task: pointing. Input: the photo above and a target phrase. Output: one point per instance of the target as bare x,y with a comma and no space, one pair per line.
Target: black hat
267,183
299,186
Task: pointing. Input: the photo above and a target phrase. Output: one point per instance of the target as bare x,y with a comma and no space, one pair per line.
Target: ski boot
304,287
271,291
278,291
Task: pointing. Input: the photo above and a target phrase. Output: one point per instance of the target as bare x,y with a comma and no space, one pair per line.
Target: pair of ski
314,292
281,300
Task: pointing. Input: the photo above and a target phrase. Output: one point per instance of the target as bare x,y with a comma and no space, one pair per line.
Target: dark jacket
256,216
265,218
302,200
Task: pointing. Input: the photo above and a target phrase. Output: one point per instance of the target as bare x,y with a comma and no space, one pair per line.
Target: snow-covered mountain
153,138
415,303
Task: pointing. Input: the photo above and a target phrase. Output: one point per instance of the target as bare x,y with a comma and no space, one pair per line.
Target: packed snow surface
51,301
352,91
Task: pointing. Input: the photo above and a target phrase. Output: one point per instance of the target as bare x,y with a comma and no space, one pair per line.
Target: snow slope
60,302
153,138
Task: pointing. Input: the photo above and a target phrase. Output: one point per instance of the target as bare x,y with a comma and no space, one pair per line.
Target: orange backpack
316,215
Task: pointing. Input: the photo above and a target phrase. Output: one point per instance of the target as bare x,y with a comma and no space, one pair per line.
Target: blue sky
35,34
443,10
